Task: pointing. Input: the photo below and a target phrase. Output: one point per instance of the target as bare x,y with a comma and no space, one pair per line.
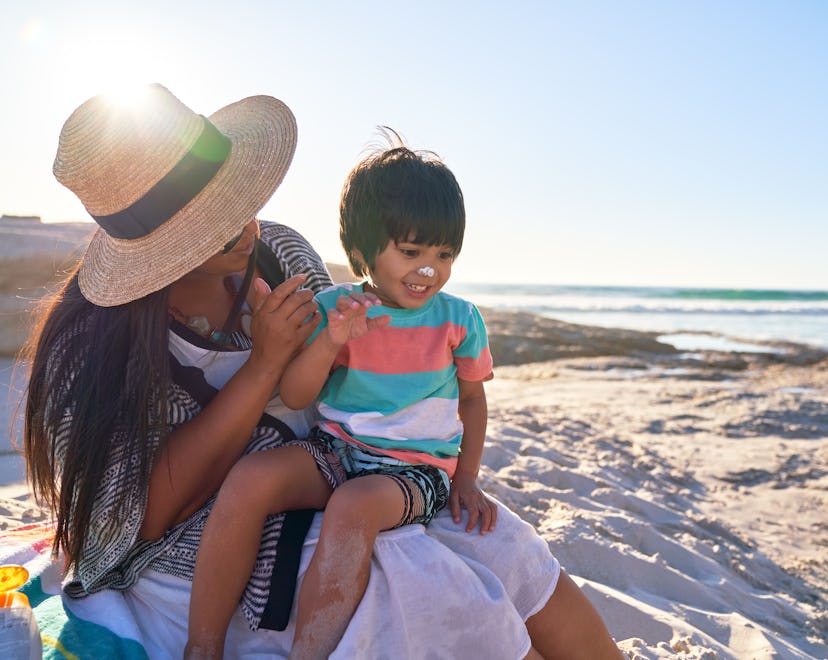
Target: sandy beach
691,501
686,493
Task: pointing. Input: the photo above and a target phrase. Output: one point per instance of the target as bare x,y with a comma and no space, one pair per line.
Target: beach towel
421,601
66,633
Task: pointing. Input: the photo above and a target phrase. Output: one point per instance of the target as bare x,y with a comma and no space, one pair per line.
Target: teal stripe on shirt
358,391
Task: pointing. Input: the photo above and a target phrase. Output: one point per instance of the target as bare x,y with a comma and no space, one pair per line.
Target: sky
639,142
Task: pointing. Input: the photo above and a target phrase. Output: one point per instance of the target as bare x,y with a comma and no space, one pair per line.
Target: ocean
690,319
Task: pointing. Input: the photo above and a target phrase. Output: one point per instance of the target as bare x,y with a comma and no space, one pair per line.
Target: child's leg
260,484
338,573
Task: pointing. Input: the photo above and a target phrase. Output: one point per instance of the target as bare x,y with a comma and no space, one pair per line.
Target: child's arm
464,489
307,372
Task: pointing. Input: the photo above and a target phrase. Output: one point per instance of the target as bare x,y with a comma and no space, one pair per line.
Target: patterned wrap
114,556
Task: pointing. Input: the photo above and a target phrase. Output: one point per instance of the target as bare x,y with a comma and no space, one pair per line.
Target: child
400,395
390,399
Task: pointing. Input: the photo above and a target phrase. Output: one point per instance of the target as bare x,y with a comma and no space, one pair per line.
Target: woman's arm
199,454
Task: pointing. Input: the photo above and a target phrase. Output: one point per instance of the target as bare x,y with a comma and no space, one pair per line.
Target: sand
686,493
693,508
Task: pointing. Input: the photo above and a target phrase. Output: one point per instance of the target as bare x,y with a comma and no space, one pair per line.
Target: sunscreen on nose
426,271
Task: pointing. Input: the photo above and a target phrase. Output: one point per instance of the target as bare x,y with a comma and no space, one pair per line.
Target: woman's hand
466,493
198,455
283,320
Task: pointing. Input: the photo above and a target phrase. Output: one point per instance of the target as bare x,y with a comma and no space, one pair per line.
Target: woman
154,370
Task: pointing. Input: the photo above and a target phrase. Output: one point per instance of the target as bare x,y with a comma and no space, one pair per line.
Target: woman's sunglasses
229,245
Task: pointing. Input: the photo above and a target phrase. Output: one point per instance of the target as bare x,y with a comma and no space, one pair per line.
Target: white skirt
435,593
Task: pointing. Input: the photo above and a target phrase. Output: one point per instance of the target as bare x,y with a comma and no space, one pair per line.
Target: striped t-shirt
395,389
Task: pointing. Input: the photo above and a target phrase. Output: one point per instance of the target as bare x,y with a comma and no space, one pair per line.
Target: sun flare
132,95
115,65
32,31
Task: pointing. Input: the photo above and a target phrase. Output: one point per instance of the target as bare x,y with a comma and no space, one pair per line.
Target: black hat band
174,191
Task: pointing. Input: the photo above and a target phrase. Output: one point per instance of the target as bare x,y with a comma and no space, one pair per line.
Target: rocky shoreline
521,338
34,256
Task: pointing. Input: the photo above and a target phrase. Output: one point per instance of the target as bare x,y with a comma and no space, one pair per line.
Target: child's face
402,273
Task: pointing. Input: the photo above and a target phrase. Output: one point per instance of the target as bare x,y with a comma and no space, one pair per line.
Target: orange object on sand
13,599
20,637
12,577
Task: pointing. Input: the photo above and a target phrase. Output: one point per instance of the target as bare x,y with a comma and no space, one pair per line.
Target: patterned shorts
425,488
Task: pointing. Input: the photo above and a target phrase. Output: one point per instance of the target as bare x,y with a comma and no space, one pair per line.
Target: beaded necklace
223,336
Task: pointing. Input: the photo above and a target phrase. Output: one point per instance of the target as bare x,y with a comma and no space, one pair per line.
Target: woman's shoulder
295,254
285,241
282,238
273,231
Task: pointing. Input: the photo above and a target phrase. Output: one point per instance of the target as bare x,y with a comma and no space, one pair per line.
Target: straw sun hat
167,187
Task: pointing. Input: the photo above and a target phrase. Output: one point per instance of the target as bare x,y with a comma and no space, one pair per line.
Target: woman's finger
261,290
292,304
302,313
282,293
308,326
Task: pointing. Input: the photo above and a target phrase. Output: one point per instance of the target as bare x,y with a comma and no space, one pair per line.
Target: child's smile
406,274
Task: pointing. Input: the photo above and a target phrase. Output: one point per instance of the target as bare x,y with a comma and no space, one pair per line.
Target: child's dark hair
400,195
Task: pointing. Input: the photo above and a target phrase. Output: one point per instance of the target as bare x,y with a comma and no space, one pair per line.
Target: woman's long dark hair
98,386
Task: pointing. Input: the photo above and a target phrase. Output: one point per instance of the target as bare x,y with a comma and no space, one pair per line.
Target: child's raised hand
466,493
350,318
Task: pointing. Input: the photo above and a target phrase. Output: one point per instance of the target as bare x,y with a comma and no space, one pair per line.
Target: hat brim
262,132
